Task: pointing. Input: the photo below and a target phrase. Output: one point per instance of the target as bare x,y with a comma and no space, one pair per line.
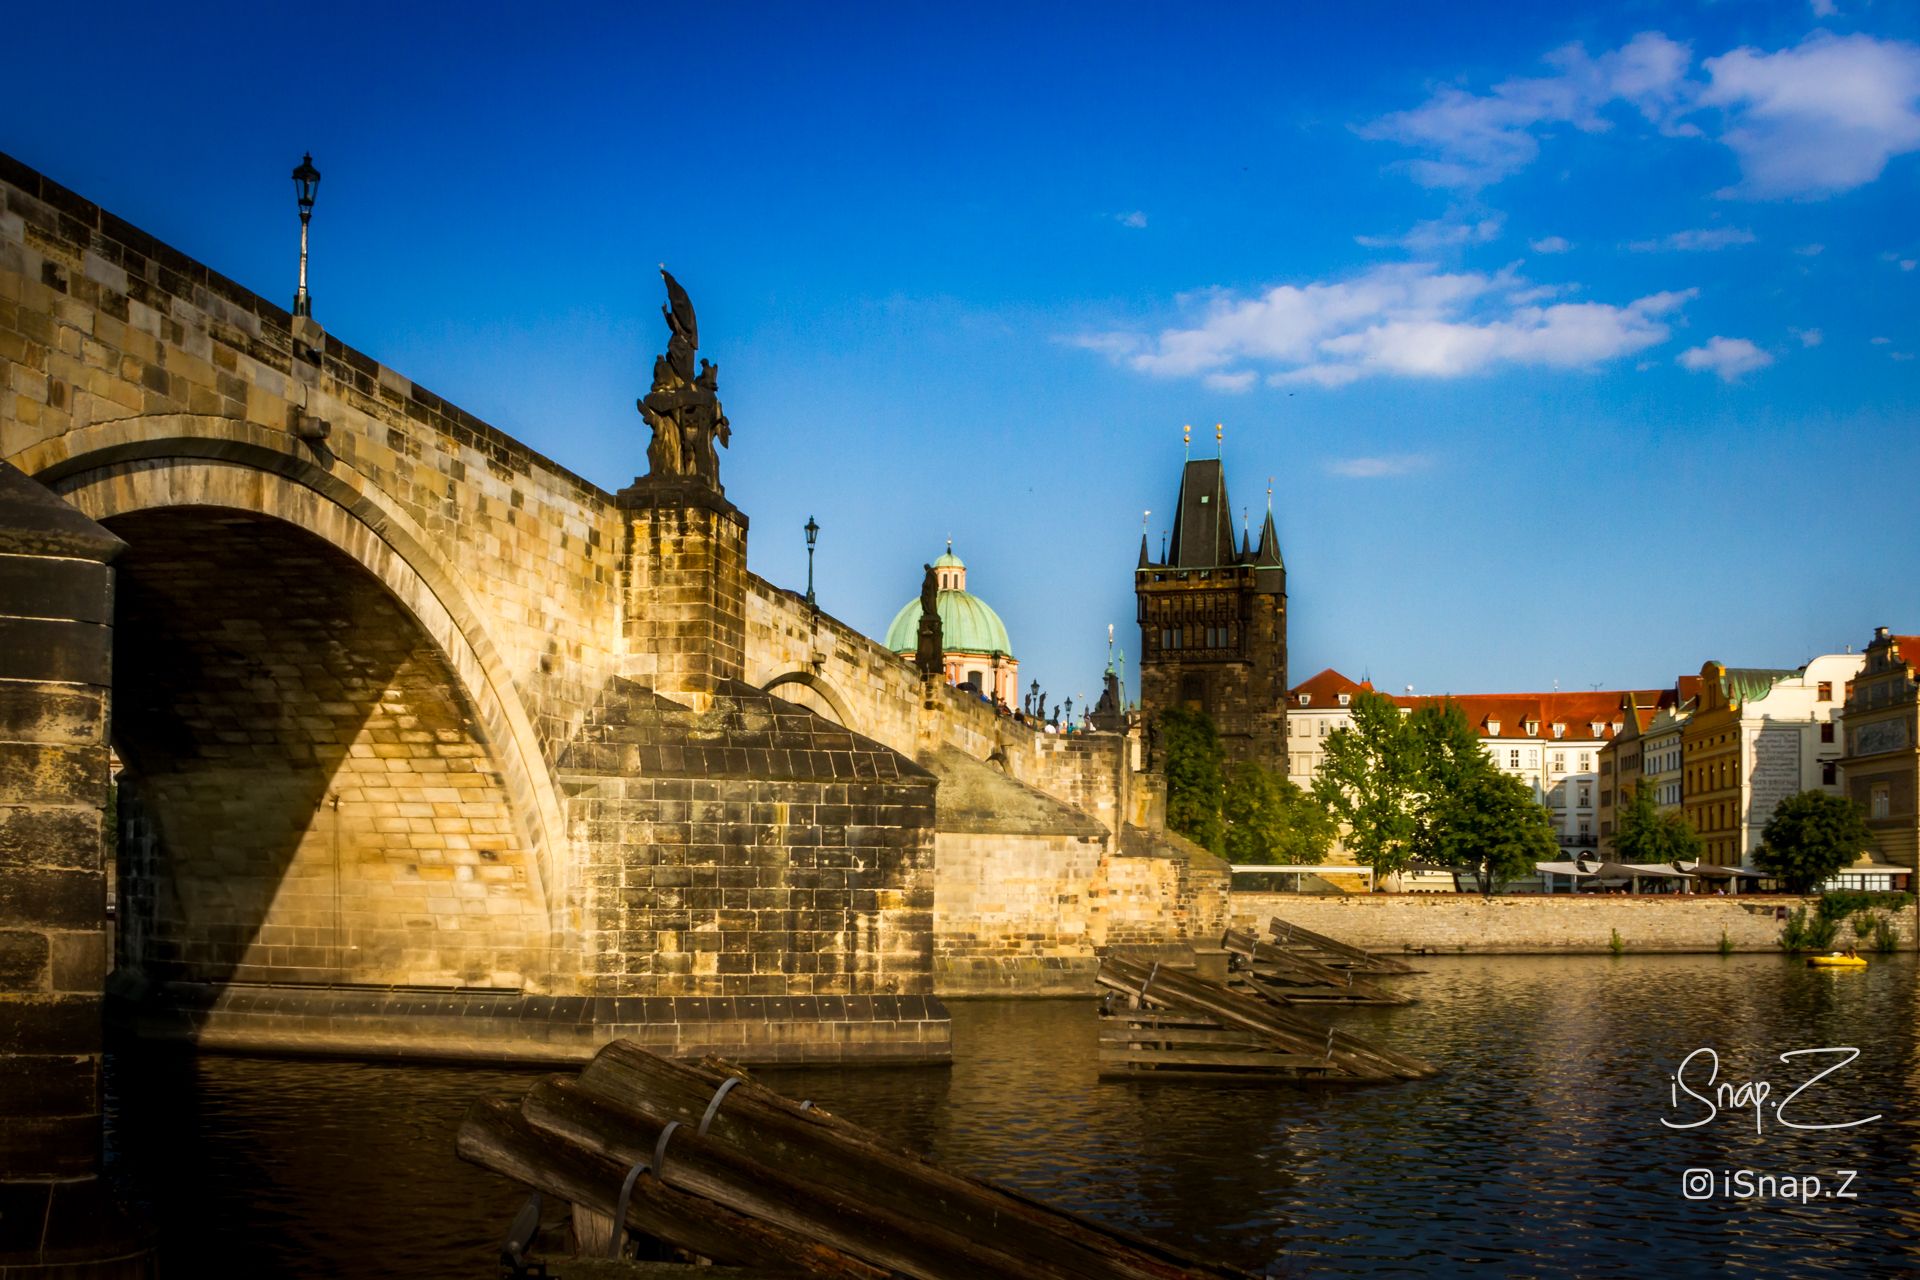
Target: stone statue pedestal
684,573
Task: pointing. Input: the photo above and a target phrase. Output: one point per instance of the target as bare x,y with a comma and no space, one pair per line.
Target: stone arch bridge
424,741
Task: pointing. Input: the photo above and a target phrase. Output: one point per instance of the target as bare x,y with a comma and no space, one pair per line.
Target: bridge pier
56,660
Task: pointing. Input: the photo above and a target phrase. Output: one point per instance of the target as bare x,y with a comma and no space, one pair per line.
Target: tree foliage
1271,820
1196,775
1646,835
1492,827
1811,836
1423,786
1369,779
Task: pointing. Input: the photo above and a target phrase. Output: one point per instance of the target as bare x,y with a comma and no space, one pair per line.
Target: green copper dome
967,623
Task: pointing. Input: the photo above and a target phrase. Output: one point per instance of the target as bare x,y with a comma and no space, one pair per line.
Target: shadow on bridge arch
328,775
813,693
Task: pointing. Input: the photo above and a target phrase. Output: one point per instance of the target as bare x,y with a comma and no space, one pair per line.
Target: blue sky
1579,345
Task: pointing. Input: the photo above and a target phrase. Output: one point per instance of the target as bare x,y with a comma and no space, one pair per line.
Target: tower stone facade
1213,622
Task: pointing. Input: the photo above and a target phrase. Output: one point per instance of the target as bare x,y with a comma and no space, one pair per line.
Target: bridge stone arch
814,693
482,893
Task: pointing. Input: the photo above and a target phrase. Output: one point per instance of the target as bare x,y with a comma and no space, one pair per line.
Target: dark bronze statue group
684,406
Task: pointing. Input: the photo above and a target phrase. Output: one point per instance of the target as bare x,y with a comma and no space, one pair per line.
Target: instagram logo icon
1697,1184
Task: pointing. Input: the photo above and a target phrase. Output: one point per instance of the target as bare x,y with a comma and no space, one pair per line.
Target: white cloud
1137,219
1880,342
1550,244
1811,250
1229,381
1726,358
1808,337
1820,118
1902,356
1406,319
1391,464
1438,234
1473,140
1908,264
1704,239
1824,8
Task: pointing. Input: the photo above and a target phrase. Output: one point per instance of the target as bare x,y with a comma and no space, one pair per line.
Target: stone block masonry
56,617
1532,924
748,849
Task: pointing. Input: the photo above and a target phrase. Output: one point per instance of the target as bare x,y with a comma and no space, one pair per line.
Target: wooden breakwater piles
1166,1022
1331,952
702,1160
1162,1021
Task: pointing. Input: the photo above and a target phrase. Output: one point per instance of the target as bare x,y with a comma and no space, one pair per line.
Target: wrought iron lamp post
306,182
813,535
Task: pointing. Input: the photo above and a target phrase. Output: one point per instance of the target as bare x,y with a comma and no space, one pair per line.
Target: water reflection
1538,1151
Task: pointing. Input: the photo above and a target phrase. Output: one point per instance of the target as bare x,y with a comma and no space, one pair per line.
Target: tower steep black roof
1202,520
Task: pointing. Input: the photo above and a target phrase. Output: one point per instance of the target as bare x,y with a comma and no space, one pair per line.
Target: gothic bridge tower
1213,621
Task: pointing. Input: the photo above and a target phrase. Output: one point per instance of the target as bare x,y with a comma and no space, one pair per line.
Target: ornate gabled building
1881,768
1213,621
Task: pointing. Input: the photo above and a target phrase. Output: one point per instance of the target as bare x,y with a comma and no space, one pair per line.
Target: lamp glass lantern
306,185
813,536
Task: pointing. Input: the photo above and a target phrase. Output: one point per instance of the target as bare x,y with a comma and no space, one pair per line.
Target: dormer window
1616,726
1345,698
1594,726
1306,699
1533,728
1493,728
1559,730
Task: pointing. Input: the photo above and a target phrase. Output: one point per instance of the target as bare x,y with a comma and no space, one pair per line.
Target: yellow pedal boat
1836,960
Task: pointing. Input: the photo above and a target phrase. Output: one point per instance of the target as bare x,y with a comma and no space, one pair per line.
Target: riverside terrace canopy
1627,873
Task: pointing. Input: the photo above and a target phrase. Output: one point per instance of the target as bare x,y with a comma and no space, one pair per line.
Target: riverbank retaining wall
1534,924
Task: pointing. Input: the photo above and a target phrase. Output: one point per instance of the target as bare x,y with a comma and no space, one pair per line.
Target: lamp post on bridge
813,535
306,183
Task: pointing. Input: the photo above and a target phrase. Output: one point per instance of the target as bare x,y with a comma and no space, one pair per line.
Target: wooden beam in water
1288,934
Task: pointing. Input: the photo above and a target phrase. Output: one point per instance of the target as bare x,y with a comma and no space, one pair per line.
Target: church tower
1213,621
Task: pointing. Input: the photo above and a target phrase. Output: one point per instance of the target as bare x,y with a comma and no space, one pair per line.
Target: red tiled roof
1512,711
1909,647
1324,690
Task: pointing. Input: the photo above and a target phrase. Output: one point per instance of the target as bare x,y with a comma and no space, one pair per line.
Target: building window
1826,732
1513,758
1586,796
1493,728
1345,698
1826,691
1829,773
1880,805
1586,762
1559,762
1306,699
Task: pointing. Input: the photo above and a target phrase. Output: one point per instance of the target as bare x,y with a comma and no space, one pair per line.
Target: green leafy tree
1270,820
1196,775
1449,765
1370,780
1811,836
1646,835
1490,826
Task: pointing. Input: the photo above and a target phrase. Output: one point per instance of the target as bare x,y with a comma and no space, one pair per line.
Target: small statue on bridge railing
928,655
684,407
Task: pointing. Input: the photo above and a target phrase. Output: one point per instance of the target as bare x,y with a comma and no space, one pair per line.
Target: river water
1539,1150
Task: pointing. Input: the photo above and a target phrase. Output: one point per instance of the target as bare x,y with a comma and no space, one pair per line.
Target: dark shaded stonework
751,849
56,617
1213,622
